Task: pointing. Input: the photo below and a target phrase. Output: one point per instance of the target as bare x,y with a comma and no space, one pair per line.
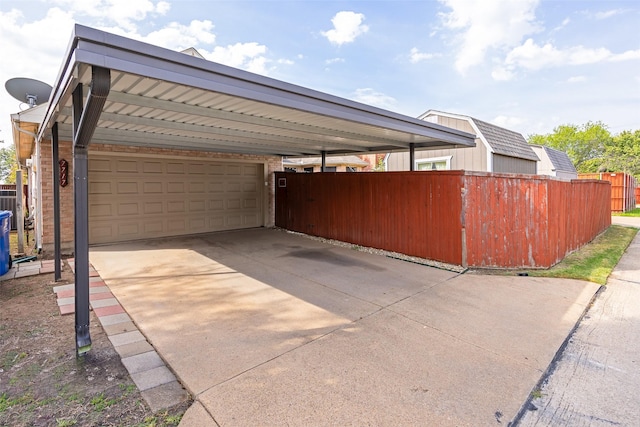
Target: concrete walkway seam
554,362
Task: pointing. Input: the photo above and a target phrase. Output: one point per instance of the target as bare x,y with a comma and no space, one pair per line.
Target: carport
121,92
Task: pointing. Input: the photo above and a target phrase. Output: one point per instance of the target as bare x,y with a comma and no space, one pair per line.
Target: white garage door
137,198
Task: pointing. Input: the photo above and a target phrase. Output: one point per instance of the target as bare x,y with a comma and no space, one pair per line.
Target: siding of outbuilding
554,163
506,164
472,158
509,152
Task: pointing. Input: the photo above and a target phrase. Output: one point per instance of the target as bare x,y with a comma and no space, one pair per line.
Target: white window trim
446,159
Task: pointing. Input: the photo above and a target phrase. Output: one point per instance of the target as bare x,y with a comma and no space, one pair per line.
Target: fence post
19,212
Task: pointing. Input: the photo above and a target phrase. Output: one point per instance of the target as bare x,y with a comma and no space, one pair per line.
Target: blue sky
527,65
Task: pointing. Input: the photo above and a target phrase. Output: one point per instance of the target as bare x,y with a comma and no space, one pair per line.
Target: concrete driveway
265,327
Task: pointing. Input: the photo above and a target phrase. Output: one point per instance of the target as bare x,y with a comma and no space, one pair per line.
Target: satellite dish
28,90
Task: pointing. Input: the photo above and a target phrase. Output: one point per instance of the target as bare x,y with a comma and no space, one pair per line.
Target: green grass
6,401
634,212
100,402
161,419
594,261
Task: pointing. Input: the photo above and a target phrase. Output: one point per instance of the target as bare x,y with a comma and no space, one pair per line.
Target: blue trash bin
5,230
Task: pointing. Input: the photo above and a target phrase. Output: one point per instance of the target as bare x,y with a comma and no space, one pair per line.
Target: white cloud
346,27
608,13
334,61
500,73
485,25
507,122
564,23
122,13
248,56
626,56
285,61
31,49
371,97
416,56
576,79
532,56
177,36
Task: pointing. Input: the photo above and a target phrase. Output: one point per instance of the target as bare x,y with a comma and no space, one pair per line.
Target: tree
8,164
585,144
623,153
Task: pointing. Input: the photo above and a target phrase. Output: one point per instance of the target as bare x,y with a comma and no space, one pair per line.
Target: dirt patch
42,383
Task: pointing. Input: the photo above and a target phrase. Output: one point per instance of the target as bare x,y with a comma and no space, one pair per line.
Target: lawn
594,261
634,212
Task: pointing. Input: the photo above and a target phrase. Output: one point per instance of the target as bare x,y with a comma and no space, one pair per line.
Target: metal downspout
323,167
85,120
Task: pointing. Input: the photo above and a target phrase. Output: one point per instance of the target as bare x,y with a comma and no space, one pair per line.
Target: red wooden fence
463,218
623,189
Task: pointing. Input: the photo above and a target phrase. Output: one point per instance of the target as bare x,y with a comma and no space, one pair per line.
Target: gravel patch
389,254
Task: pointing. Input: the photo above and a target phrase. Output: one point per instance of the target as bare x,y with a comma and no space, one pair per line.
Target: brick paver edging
157,384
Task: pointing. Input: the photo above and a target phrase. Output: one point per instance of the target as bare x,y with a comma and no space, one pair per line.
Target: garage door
137,198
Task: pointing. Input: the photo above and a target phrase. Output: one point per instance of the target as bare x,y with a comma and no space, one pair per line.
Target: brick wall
66,199
274,163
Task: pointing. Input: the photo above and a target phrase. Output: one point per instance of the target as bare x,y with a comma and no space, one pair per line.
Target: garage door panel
100,209
234,204
175,167
216,169
150,208
152,167
197,205
198,224
217,204
175,207
197,169
175,187
250,170
130,230
127,187
127,166
153,228
234,170
101,187
128,209
216,187
197,187
141,198
177,225
100,165
250,203
216,222
250,220
102,231
152,187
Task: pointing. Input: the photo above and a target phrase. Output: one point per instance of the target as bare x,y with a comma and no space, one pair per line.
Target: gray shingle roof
559,159
504,141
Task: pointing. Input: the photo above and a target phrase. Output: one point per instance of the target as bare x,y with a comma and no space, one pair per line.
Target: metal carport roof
163,98
143,95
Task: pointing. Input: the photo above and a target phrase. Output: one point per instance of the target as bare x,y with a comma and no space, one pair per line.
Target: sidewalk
29,269
596,381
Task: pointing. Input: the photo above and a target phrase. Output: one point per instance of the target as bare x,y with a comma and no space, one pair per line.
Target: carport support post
85,121
56,202
324,161
412,156
81,231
